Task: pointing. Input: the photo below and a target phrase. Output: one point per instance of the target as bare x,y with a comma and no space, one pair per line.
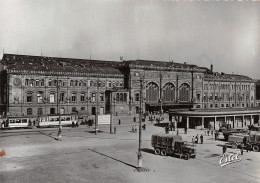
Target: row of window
227,87
226,105
29,111
40,98
80,83
227,97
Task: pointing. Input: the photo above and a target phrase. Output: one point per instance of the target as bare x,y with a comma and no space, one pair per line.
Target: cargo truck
172,145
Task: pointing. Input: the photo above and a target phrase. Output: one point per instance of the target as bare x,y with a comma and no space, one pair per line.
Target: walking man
224,149
193,141
201,139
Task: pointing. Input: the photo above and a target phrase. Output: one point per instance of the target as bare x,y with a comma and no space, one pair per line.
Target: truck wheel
186,156
255,148
234,146
170,151
163,152
157,151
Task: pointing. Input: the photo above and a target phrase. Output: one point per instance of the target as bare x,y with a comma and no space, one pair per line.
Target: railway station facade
39,85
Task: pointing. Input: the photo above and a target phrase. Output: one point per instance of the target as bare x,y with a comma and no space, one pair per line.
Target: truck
237,141
254,141
173,145
228,132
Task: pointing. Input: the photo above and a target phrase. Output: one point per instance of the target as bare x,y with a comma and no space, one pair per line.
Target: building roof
30,63
163,65
216,112
223,76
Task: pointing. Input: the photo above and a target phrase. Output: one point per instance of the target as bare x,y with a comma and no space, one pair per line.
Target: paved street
34,155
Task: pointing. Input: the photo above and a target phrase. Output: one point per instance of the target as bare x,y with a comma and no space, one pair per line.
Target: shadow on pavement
113,158
48,135
147,150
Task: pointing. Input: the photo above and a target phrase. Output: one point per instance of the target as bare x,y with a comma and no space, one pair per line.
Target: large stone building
31,85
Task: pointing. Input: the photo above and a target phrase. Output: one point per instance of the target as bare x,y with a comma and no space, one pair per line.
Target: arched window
184,92
152,92
121,97
117,96
168,92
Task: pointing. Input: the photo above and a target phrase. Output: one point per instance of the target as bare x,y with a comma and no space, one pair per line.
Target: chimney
211,68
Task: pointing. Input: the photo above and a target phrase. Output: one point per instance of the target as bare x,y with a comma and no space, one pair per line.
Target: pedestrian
208,132
134,119
196,139
201,139
143,127
166,129
216,135
73,124
114,130
242,149
119,121
185,130
77,124
224,149
211,132
193,141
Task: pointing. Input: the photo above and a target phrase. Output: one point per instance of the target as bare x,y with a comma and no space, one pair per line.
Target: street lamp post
139,154
58,107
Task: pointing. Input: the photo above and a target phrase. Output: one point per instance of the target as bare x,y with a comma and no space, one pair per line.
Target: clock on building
17,82
136,74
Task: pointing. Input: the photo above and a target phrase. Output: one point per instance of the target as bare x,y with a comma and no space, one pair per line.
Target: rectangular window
101,97
62,97
39,97
29,97
109,84
39,111
82,97
26,82
93,97
52,98
73,97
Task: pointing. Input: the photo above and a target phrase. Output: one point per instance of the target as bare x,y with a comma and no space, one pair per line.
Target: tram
15,122
66,120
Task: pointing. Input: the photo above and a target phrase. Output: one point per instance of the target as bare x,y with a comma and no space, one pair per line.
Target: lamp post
58,107
139,154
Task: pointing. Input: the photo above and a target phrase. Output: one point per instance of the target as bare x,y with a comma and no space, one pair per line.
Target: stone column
234,122
215,119
202,122
188,122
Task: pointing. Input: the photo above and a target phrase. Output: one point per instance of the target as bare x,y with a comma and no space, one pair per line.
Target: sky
223,33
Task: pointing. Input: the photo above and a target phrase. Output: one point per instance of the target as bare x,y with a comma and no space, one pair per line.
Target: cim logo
229,158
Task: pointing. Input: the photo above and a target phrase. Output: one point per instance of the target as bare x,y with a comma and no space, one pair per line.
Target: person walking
119,121
196,139
216,135
193,141
201,139
224,149
211,132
